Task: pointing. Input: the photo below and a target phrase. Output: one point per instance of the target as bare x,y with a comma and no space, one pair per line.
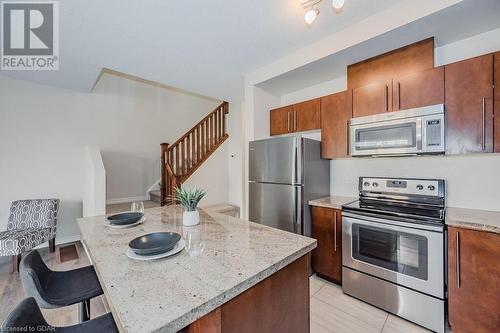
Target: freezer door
275,160
276,205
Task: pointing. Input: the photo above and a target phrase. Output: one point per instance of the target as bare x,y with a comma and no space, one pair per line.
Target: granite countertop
227,256
335,202
482,220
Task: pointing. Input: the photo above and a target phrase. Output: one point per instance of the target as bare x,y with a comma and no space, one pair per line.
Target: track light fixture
312,12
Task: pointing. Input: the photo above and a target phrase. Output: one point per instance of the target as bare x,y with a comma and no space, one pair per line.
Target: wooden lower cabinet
473,281
327,230
336,111
469,105
279,303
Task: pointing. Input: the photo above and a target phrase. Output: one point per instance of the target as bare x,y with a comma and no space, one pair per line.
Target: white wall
472,180
94,183
43,132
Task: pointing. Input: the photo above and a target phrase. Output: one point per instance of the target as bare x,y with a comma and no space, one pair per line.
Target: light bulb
338,4
311,15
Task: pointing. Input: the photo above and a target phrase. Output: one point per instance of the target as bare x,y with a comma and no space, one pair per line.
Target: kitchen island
234,275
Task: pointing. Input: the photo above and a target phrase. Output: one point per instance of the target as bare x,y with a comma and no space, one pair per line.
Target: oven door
391,137
410,257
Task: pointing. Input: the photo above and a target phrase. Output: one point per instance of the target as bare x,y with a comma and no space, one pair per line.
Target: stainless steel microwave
408,132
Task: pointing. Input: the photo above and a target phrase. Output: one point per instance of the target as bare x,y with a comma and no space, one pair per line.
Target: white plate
177,248
118,226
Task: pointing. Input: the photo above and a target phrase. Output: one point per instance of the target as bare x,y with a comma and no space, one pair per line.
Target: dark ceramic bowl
125,218
155,243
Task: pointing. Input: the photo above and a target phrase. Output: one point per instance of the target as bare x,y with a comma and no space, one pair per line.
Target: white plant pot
191,218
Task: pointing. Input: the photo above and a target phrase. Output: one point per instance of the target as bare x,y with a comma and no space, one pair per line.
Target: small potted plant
189,199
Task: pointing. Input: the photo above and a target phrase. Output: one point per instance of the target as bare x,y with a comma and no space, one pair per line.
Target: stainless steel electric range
393,248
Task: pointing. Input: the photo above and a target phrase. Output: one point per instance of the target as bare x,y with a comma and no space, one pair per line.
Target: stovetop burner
419,200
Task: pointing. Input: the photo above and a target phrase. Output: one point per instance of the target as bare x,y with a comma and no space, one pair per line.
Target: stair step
155,196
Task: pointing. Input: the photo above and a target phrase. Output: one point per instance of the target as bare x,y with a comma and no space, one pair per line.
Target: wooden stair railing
182,158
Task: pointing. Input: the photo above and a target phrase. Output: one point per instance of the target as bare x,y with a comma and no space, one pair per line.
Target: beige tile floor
331,310
334,312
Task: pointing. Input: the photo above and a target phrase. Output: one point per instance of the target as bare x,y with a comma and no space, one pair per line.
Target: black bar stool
53,289
27,317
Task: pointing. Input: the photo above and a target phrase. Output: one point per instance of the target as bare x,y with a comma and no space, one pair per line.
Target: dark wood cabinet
496,103
336,111
469,105
280,120
306,115
298,117
412,58
327,230
473,281
372,99
418,89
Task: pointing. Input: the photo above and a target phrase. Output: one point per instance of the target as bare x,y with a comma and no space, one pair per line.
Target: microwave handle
419,133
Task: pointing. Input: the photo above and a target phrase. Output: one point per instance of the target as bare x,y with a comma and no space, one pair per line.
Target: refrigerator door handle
297,218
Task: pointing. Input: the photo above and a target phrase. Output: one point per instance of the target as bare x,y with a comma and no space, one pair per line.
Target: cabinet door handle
288,121
457,254
484,124
335,231
386,98
399,95
348,138
294,120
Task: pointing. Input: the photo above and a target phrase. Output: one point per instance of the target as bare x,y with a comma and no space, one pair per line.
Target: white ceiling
460,21
201,46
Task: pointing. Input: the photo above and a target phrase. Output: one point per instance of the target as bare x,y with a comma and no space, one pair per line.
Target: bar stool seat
27,316
53,289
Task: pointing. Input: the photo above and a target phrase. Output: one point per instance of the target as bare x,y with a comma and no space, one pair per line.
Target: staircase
181,159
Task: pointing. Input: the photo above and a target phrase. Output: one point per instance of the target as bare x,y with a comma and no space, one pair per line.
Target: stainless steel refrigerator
284,174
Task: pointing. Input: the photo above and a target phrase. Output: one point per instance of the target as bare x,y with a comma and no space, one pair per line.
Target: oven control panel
427,187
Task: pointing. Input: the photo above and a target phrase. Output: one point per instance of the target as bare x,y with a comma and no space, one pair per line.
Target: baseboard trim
126,200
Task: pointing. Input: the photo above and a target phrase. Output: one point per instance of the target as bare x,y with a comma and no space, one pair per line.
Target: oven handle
394,226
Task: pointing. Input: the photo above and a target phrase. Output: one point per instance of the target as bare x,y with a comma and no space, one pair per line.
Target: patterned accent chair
31,223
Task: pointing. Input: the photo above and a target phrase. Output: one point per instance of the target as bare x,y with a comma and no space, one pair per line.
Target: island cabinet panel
372,99
336,111
473,281
306,115
327,230
418,89
469,105
279,303
413,58
496,103
280,120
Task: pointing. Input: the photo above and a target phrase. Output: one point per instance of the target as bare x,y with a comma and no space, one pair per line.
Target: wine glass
137,207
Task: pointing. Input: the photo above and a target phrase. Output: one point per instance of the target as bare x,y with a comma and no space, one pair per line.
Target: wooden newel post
163,176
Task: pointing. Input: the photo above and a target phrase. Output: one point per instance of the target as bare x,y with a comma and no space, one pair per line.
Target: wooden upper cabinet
473,281
336,111
410,59
327,230
497,104
372,99
306,115
418,89
469,105
280,120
